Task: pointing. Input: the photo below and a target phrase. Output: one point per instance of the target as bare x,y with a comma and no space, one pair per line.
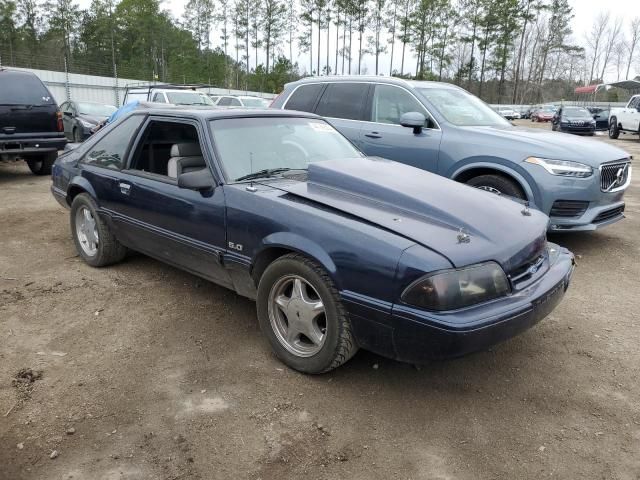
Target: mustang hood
464,224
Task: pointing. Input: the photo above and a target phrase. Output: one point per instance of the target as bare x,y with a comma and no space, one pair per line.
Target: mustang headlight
562,168
453,289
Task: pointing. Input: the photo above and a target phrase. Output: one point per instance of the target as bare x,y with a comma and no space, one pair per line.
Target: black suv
31,125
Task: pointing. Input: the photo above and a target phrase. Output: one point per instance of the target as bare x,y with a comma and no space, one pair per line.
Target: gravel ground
141,371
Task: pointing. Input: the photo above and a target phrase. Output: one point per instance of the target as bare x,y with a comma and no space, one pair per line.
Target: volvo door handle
373,135
125,188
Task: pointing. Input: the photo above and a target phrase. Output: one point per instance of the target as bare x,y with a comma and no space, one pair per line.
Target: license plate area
545,304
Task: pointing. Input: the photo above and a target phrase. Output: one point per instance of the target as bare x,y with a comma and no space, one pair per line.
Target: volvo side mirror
413,120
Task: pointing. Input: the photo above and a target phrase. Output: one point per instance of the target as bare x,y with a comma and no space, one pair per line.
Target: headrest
186,150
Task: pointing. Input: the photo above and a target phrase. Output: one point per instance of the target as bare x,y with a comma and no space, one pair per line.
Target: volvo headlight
562,168
453,289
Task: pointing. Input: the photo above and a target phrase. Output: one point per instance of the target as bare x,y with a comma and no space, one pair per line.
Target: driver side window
391,102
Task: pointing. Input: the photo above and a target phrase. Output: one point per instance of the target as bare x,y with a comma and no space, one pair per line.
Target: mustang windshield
462,108
266,146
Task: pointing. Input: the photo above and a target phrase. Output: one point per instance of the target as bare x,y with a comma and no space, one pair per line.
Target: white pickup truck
625,120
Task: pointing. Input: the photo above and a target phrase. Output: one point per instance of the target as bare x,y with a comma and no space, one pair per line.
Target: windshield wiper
267,172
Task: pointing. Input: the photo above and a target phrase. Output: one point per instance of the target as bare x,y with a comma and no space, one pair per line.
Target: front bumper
578,130
415,336
601,208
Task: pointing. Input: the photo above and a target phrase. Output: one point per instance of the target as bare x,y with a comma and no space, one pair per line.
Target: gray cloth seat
184,157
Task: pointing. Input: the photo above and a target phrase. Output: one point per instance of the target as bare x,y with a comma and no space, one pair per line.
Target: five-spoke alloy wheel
301,313
93,238
297,316
87,231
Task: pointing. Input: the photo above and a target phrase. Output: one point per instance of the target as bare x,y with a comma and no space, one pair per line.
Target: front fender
509,168
298,243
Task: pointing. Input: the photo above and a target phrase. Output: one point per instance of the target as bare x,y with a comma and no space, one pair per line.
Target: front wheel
77,136
93,238
41,164
614,131
497,184
300,312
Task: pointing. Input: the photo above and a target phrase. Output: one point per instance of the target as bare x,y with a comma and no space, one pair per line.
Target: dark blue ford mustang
338,250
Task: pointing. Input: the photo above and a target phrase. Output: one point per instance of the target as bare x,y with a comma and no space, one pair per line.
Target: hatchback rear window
17,88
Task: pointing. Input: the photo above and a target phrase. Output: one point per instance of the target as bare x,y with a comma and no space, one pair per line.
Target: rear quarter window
304,98
109,152
343,100
17,88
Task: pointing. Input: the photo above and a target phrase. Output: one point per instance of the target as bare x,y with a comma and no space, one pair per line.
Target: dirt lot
151,373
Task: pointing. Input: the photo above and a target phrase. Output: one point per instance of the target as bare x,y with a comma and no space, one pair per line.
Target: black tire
505,186
41,164
339,345
614,131
109,249
77,136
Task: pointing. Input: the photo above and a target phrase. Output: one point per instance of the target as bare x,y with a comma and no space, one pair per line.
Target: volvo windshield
461,108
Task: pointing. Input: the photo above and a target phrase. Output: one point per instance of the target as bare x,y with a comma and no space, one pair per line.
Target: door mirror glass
68,113
198,180
413,120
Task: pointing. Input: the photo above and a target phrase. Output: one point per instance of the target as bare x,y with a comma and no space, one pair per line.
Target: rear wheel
300,312
41,164
614,131
94,240
498,184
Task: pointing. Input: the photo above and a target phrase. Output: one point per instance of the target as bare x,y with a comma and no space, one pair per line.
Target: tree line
505,51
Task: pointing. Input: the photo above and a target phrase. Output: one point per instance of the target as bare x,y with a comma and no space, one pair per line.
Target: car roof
10,71
211,113
375,79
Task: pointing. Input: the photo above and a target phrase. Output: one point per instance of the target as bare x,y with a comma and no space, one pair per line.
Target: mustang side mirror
413,120
68,114
199,180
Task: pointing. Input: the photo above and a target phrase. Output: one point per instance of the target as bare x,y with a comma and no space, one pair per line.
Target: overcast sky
585,11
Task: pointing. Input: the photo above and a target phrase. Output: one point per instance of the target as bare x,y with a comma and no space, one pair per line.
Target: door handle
125,188
373,135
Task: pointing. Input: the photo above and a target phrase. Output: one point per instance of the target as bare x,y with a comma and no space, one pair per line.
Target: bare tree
633,42
594,40
618,58
613,34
